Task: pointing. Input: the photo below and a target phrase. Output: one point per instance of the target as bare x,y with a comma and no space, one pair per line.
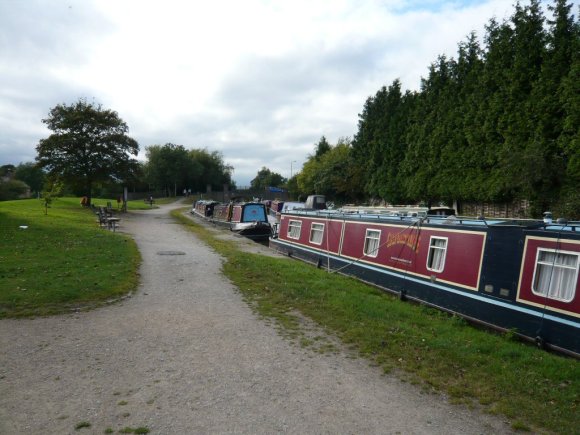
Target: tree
266,178
13,189
322,147
334,174
7,170
292,186
523,161
171,168
494,81
380,144
423,168
215,172
89,145
569,98
31,174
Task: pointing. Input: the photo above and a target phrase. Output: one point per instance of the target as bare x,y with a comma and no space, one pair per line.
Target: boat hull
252,230
487,280
246,219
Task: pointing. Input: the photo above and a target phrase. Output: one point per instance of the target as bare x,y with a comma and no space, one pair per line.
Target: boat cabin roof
436,220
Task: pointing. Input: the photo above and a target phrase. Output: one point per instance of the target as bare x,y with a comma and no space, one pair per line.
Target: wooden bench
106,219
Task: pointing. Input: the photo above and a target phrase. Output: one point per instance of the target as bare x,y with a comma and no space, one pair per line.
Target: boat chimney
548,217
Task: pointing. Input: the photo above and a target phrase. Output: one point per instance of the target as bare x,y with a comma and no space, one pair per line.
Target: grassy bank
60,260
536,390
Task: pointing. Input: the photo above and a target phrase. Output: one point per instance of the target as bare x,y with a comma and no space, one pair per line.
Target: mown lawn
534,389
60,260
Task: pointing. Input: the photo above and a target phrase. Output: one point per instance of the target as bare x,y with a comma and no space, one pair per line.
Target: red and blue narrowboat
516,275
203,208
248,219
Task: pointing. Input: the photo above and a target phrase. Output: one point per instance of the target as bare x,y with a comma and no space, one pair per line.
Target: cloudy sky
258,80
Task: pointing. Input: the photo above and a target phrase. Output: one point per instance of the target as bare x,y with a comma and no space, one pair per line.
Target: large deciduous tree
89,144
334,173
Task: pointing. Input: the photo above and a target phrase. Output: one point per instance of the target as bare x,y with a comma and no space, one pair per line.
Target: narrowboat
248,219
512,275
203,208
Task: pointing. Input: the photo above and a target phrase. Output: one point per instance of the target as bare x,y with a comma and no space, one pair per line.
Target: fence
221,196
518,209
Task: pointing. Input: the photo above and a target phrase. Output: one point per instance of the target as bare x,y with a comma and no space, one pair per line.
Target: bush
13,189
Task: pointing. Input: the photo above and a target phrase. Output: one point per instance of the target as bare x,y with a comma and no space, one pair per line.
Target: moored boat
248,219
396,210
517,275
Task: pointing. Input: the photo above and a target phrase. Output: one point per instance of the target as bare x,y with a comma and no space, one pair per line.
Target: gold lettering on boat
411,240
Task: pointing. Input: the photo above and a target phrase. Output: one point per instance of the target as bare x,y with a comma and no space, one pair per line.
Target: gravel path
186,355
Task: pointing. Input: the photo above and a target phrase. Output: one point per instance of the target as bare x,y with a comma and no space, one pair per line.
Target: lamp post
293,161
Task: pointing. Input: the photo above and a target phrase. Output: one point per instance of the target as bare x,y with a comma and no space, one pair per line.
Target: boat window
555,274
316,233
437,251
254,212
372,239
294,228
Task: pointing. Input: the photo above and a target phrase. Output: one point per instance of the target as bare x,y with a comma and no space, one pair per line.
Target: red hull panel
525,293
406,249
401,247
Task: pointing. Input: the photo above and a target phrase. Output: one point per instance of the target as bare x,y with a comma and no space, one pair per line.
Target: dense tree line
499,122
90,154
172,168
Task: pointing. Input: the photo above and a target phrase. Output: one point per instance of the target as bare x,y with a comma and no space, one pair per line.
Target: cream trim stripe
451,290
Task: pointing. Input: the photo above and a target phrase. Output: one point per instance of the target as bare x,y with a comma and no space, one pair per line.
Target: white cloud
261,81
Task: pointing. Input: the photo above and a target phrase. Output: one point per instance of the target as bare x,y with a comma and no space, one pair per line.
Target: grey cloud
264,84
35,32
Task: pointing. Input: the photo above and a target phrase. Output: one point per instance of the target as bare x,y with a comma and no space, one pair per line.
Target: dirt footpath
186,355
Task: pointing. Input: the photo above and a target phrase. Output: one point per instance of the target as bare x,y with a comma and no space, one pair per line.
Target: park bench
106,219
149,201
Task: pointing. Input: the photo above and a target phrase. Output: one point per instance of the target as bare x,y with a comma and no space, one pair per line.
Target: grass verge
534,389
62,260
